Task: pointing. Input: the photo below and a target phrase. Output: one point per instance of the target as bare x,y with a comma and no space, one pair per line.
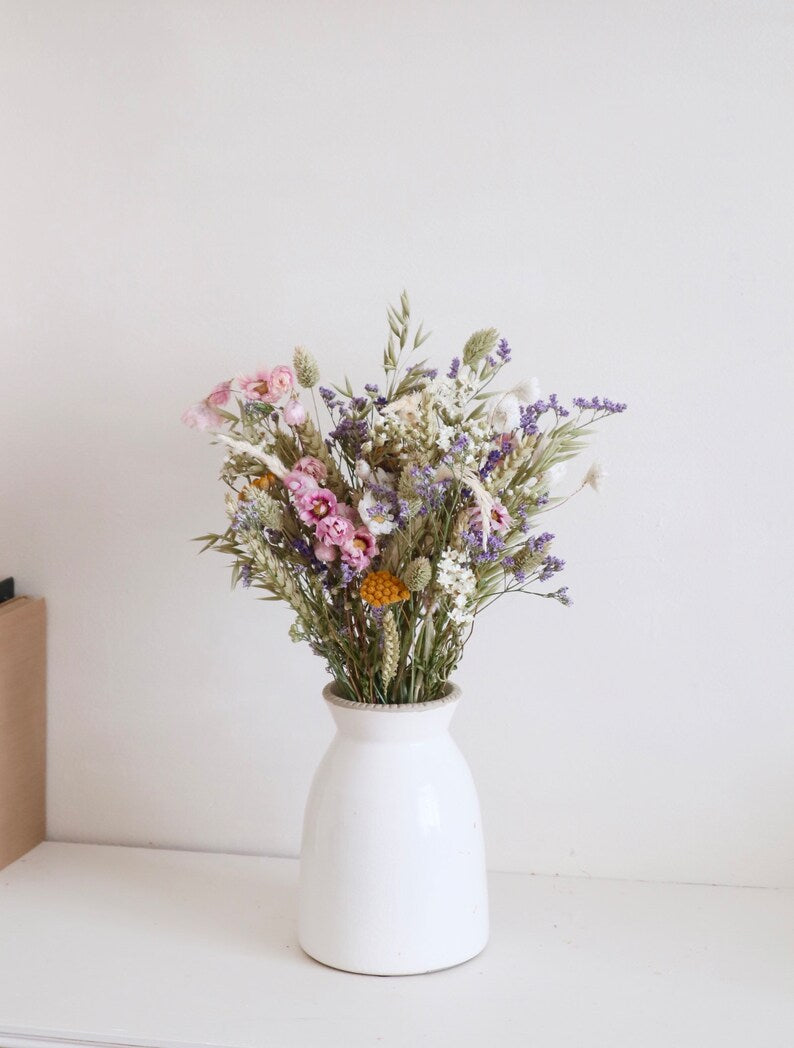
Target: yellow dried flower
380,588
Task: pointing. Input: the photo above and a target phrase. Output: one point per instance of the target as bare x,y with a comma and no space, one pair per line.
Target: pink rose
335,530
220,394
316,504
325,553
360,550
299,483
202,416
312,467
294,413
281,382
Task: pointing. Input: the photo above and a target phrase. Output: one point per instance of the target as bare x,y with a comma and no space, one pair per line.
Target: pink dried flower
299,483
294,413
256,386
312,467
324,552
335,530
343,510
500,518
360,550
316,504
202,416
282,380
220,394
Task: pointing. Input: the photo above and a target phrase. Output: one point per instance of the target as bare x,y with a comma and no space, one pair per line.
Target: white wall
189,189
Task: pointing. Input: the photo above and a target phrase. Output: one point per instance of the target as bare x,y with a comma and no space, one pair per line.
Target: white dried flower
594,476
455,578
506,414
375,515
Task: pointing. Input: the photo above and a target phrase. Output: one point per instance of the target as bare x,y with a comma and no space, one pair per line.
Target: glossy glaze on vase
392,863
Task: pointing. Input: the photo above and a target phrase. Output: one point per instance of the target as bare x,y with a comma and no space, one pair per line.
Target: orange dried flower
380,588
263,483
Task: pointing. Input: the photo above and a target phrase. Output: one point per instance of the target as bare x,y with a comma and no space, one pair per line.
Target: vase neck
398,723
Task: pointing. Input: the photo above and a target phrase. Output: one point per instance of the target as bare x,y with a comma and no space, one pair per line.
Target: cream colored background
191,188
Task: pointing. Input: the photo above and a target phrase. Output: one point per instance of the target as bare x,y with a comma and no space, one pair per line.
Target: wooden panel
23,726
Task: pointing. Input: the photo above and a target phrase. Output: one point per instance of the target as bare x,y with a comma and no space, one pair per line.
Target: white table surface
132,946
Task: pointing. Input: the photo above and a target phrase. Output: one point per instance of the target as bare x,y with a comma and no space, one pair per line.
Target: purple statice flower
373,388
537,542
454,367
555,405
503,350
350,434
403,513
246,518
551,565
562,596
306,550
542,499
359,403
302,546
430,491
492,361
597,404
523,516
381,402
348,573
494,546
528,420
459,444
490,463
431,373
328,396
245,575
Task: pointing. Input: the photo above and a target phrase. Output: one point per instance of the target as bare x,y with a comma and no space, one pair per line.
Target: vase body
392,878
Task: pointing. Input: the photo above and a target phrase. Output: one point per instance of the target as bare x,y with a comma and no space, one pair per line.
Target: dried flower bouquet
417,510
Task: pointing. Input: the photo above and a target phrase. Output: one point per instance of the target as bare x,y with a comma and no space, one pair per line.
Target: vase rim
452,694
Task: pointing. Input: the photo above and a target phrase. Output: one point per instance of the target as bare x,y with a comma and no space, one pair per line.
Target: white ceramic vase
392,878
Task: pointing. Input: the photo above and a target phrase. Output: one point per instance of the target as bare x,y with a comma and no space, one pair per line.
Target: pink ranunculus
202,416
256,386
360,550
281,382
294,413
220,394
316,504
324,552
299,483
312,467
335,530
